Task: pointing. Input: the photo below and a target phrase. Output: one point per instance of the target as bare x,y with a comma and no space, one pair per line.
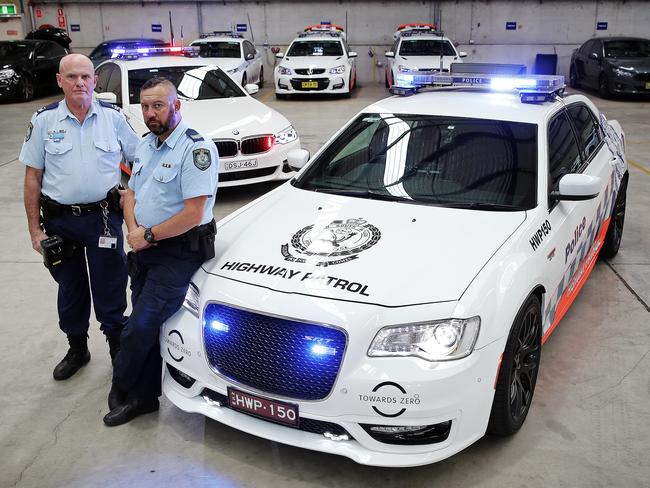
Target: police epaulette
192,134
51,106
108,105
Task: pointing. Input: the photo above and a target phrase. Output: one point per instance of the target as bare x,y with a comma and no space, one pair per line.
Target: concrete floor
589,425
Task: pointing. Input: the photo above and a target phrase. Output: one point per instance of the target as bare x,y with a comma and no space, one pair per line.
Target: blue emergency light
532,88
189,51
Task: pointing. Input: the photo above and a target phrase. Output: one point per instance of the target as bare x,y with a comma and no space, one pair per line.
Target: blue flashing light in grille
270,354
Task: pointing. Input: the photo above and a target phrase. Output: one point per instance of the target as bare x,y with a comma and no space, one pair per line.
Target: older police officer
168,212
72,153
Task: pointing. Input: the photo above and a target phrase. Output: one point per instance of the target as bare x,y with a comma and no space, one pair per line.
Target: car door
46,65
593,63
575,145
252,65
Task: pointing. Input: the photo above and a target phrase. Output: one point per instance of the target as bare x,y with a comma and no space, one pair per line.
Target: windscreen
14,49
315,48
192,82
432,160
219,49
633,48
426,47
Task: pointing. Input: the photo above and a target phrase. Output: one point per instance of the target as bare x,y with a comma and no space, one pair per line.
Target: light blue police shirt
186,165
80,162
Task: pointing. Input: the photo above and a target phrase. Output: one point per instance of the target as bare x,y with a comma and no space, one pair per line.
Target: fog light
183,379
409,434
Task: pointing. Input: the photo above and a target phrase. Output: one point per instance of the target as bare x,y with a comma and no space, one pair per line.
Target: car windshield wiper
481,206
359,193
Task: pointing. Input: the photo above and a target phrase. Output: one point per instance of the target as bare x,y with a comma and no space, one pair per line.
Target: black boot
78,355
115,397
113,345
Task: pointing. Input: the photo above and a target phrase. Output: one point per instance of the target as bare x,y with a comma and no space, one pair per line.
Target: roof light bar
224,33
190,51
533,88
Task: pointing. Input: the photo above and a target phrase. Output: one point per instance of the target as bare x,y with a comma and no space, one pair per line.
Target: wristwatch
148,236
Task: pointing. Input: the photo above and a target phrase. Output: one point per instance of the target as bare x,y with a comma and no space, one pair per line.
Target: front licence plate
280,412
647,85
310,84
251,163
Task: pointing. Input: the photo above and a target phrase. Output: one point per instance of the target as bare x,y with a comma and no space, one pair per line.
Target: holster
206,237
132,265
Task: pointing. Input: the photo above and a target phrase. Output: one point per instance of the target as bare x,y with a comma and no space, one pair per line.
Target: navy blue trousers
91,272
160,277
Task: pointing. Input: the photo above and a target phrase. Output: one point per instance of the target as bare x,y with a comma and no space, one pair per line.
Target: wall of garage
479,26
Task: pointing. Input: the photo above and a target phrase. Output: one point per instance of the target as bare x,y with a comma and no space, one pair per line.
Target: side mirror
107,97
462,54
389,54
251,88
576,187
297,158
352,54
593,56
249,56
279,55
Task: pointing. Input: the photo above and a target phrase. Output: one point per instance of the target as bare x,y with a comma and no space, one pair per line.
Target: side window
587,129
103,73
563,151
115,83
585,49
45,49
395,46
248,49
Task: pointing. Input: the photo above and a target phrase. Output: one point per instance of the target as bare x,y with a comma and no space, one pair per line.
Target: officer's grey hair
160,80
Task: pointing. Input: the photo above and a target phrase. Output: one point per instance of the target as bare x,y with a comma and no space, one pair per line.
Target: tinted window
315,48
192,82
634,48
115,83
220,49
248,48
13,50
563,152
103,74
432,160
426,47
586,128
47,49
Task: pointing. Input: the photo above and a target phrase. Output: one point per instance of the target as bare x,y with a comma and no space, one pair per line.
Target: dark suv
612,65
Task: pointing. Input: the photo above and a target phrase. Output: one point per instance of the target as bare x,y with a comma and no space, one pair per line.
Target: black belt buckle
76,210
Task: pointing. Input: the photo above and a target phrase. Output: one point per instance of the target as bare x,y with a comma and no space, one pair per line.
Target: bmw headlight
338,70
403,68
440,340
236,70
286,136
284,71
191,301
623,72
5,74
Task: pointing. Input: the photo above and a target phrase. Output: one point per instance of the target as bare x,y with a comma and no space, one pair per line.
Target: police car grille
317,71
323,83
246,174
257,145
304,424
270,354
227,149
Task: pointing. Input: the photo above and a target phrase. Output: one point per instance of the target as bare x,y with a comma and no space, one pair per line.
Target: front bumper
634,85
310,85
271,166
457,391
9,88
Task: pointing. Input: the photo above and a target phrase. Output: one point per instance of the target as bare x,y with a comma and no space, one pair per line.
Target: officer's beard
163,127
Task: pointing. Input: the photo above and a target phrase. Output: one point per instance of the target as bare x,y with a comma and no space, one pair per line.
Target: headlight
191,301
339,70
287,135
623,73
403,68
441,340
6,74
284,71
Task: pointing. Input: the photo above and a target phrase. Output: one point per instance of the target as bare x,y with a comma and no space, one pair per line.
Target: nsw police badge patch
202,158
29,132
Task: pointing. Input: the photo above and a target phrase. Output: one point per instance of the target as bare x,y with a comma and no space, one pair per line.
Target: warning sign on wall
38,12
61,21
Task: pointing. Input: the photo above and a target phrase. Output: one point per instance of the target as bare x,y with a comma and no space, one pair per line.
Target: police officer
168,212
72,154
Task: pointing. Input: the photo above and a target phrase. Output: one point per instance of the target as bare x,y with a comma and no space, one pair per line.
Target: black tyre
25,89
518,372
261,82
615,231
573,78
603,87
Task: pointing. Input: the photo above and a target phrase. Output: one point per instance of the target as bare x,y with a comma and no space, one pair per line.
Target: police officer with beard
168,212
72,154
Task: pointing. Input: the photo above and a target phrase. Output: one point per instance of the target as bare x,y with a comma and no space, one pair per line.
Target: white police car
234,54
253,140
317,61
433,245
420,48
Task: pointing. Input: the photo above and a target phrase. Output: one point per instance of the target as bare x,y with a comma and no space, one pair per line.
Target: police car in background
419,47
253,140
435,242
234,54
317,61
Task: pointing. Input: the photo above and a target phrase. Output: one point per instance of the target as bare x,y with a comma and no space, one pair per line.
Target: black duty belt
192,234
52,208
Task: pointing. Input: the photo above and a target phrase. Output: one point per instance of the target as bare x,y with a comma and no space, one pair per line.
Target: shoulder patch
108,105
51,106
202,159
195,136
30,128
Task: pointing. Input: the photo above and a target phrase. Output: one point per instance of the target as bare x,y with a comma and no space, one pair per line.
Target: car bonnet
352,249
